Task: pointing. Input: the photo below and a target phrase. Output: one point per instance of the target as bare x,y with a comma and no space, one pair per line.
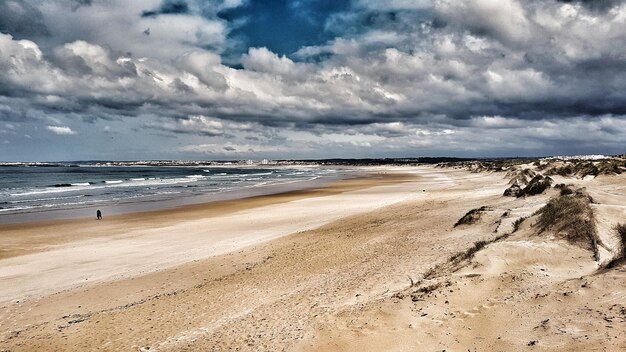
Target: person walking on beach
98,214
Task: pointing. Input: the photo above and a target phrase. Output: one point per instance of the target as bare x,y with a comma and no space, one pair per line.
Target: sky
249,79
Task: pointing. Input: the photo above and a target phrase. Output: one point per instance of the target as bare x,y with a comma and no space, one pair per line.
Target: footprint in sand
614,297
476,311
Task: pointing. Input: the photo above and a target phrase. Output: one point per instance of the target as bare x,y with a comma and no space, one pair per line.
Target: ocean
43,188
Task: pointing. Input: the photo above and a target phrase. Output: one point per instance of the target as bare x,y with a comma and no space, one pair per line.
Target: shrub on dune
537,185
620,231
611,167
471,216
518,223
513,191
564,189
570,217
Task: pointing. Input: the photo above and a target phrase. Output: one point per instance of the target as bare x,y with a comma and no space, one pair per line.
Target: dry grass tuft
513,191
469,253
471,216
537,185
520,177
571,218
518,223
582,168
564,189
620,230
611,167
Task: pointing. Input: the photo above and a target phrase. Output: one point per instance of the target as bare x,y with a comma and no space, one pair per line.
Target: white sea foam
107,184
16,208
53,205
46,190
225,176
44,199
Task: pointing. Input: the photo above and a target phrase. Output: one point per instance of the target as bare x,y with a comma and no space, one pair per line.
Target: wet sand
27,237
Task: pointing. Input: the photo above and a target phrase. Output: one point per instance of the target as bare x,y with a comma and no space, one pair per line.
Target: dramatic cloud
201,125
347,78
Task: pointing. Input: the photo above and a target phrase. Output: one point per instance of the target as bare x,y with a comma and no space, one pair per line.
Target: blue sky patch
282,26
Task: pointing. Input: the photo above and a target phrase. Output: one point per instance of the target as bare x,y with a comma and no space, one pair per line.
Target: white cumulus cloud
61,130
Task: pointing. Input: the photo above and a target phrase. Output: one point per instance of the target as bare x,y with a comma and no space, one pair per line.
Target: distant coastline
292,162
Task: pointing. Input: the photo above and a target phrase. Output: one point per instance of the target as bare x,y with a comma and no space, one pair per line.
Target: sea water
41,188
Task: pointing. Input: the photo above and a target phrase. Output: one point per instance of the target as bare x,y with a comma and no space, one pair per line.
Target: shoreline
148,205
17,235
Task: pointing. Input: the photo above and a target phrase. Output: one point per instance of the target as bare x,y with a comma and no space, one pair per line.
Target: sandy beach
362,264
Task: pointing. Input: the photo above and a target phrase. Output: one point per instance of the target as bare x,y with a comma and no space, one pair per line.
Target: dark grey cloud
602,5
22,20
79,3
168,7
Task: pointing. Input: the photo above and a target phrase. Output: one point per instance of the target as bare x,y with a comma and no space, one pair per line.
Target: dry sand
338,269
